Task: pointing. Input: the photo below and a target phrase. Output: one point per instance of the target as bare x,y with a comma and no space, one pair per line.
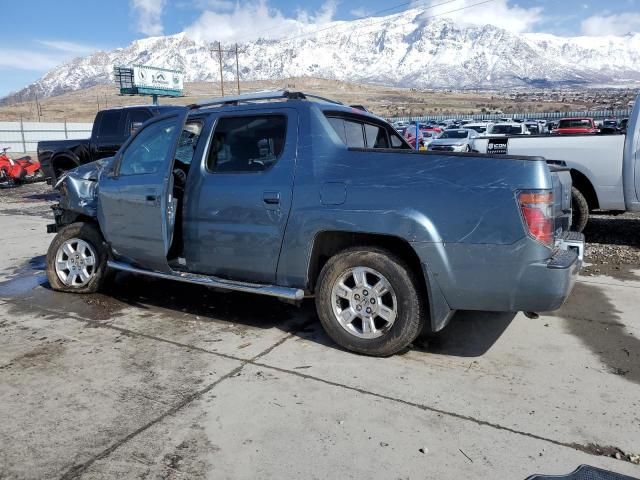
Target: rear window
507,129
575,123
454,134
362,134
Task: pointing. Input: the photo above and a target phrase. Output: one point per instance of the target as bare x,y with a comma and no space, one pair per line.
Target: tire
404,297
579,210
86,241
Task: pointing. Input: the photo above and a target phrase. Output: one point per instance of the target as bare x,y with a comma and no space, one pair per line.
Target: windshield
454,134
575,123
506,129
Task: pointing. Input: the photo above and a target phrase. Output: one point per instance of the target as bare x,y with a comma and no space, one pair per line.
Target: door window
135,120
148,150
376,136
110,123
247,144
188,142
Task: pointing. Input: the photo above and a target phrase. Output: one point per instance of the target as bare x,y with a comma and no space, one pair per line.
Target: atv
21,170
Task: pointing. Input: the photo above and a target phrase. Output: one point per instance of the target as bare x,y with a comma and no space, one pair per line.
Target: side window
247,144
354,134
135,120
110,123
147,152
376,136
397,141
338,126
188,142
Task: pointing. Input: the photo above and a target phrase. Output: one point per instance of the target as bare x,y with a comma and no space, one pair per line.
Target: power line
412,4
386,19
353,29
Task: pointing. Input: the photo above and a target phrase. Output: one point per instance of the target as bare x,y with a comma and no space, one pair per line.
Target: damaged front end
78,194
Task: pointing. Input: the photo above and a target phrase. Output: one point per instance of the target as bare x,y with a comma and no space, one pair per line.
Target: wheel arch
65,159
328,243
584,185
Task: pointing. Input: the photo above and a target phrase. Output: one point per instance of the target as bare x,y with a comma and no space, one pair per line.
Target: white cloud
69,47
53,54
620,24
250,22
149,13
28,59
498,12
360,12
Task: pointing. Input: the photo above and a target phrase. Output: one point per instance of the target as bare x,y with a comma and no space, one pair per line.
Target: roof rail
257,96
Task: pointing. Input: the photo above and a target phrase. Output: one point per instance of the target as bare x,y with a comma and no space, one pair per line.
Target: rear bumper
547,285
504,278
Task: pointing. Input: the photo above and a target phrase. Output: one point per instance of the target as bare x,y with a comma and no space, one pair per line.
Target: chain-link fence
599,115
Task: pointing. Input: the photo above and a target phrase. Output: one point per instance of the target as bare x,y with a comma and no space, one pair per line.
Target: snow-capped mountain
400,50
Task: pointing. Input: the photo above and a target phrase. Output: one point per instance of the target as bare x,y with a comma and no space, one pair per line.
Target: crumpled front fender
79,187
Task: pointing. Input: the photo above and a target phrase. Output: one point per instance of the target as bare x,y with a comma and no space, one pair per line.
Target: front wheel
77,259
369,301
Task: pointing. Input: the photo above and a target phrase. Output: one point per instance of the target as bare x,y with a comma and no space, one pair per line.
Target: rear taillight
537,213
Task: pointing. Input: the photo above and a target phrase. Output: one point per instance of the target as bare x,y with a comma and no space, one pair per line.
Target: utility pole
38,111
221,78
237,69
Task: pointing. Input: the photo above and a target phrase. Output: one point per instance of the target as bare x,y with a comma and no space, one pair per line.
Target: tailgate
561,177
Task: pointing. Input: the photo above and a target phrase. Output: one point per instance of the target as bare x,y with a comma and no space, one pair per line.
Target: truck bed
598,157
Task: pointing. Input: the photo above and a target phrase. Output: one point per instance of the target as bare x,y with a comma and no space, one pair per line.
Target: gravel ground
613,245
613,241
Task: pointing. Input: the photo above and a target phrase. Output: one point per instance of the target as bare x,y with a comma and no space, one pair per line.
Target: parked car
111,128
512,128
533,127
623,125
573,126
611,123
294,198
604,168
454,140
480,127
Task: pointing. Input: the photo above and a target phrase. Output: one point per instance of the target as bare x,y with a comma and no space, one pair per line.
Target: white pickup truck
605,169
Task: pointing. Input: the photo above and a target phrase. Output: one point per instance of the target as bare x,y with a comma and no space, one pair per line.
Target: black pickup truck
111,128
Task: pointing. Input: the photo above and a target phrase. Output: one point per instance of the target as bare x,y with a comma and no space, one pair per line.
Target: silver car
454,140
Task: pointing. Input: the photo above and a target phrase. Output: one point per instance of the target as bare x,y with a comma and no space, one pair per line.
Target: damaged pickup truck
289,195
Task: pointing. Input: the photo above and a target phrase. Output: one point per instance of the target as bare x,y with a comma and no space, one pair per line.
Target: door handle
271,198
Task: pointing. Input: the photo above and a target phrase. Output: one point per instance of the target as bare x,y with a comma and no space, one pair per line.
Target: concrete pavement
153,379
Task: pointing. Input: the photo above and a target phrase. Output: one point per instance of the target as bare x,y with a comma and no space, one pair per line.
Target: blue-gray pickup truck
290,195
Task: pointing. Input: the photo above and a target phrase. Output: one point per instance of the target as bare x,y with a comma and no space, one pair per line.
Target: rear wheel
77,259
369,301
579,210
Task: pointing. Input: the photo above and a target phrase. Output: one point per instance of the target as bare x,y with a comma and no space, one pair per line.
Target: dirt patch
39,357
609,451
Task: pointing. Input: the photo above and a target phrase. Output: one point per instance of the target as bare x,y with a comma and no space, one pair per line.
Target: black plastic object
585,472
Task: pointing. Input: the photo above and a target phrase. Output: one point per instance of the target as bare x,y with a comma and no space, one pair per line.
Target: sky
57,31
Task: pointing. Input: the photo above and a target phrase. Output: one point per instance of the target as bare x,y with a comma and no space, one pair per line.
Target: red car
569,126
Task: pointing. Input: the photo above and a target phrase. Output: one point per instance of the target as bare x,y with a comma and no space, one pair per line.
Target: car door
238,205
136,208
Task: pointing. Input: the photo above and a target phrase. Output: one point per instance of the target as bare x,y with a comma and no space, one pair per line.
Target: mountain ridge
398,50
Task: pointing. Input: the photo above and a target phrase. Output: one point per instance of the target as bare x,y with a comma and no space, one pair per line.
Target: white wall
25,137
